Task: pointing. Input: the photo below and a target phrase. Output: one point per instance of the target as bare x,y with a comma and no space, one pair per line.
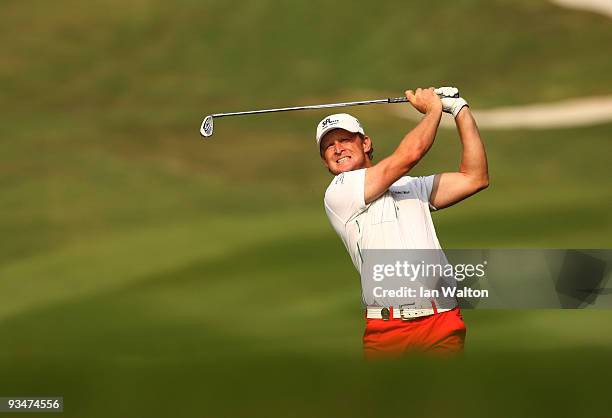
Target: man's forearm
379,177
418,141
474,157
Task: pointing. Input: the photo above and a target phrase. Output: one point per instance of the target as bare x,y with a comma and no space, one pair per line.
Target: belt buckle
401,312
385,313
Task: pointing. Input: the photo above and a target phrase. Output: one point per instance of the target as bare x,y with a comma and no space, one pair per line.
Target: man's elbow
482,183
476,183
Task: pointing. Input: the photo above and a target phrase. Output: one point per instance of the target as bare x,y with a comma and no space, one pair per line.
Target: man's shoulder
345,195
343,178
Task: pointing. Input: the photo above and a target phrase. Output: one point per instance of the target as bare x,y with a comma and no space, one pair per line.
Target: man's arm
413,147
473,174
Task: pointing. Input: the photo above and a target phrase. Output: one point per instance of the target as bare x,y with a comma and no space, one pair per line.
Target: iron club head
206,129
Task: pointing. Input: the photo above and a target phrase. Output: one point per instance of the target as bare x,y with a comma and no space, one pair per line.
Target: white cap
338,120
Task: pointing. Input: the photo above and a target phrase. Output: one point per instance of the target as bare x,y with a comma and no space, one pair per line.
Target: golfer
378,206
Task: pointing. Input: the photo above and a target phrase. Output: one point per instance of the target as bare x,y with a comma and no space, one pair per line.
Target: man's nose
337,148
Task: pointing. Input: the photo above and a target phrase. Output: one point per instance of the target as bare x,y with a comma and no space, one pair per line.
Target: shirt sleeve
344,197
426,186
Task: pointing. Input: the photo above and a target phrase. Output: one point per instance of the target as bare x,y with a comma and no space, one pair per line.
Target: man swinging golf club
378,206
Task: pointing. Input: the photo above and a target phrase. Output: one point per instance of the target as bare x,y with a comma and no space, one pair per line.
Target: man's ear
367,144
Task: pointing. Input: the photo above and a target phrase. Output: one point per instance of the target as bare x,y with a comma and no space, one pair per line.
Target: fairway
147,272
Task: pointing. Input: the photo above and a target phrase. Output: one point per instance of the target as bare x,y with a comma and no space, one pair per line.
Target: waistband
406,314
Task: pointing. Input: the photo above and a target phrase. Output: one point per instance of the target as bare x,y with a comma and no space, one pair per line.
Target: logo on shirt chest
401,195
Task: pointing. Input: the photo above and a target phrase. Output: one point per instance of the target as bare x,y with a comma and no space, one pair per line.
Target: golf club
207,126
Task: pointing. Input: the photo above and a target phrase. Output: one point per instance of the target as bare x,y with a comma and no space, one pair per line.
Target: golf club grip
404,99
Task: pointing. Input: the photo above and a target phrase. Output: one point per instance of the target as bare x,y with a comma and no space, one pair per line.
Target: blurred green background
144,272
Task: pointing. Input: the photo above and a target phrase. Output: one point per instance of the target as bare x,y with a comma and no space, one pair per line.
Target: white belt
379,312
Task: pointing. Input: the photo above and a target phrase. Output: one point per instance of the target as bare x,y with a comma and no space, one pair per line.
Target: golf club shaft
207,125
323,106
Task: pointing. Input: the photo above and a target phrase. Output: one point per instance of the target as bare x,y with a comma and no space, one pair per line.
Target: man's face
344,151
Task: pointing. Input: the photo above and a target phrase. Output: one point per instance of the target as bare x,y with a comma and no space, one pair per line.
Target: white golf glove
451,104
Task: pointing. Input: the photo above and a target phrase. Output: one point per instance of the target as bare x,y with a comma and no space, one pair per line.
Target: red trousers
441,333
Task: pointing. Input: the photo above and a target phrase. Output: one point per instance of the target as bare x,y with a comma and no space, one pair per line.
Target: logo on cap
328,121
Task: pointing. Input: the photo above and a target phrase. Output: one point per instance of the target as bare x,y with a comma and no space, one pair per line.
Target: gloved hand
451,104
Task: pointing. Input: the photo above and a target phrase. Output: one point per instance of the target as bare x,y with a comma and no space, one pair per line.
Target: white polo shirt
399,219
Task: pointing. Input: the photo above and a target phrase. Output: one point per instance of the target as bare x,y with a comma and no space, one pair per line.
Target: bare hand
424,100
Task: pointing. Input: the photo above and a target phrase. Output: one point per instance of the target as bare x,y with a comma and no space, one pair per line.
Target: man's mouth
343,159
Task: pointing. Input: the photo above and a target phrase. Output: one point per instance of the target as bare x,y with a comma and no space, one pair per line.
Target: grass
127,240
